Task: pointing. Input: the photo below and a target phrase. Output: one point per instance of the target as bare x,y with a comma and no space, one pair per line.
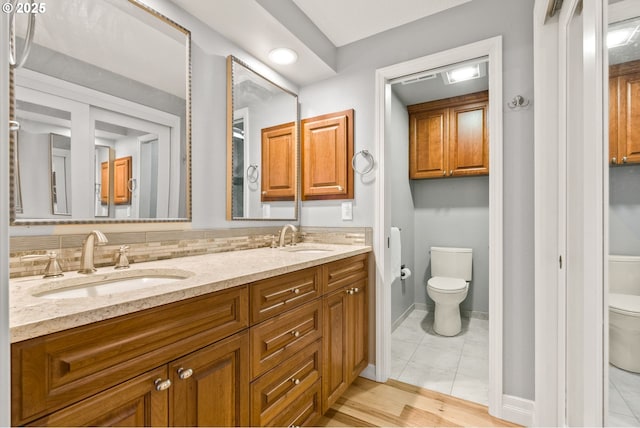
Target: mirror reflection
104,93
262,147
623,45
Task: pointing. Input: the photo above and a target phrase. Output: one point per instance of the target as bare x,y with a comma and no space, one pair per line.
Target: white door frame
491,48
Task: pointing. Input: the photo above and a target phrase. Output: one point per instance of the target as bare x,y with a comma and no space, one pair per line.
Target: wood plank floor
368,404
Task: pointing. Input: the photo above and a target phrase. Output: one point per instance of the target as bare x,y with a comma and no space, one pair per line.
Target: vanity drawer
275,340
303,411
53,371
273,296
273,392
344,272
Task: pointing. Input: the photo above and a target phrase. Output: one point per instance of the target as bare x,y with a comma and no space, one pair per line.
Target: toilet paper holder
405,272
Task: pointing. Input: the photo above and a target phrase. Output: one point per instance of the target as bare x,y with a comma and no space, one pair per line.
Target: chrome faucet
86,263
283,233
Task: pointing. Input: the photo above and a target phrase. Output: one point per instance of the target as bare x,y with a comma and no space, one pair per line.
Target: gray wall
624,210
402,214
453,212
354,88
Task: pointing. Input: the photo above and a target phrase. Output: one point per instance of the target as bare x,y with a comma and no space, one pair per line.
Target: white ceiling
313,28
347,21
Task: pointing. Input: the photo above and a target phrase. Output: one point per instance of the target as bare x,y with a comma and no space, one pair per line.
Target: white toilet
448,286
624,312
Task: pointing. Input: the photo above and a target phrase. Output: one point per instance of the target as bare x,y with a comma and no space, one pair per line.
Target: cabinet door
613,121
357,329
335,373
629,117
279,163
428,143
468,140
211,386
121,178
327,150
134,403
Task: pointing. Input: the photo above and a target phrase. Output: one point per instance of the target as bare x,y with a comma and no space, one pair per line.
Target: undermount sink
111,283
307,250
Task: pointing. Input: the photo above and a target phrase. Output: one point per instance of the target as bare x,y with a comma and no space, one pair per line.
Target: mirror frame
230,117
13,148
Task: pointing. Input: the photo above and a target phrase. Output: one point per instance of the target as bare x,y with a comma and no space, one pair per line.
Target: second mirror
262,147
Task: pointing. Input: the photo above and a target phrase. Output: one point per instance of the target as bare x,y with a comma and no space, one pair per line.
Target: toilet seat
625,304
443,284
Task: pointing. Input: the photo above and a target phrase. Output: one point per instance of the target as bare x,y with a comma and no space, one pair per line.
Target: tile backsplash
148,246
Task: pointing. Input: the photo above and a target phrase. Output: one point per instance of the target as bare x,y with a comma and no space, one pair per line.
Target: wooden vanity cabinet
279,163
327,150
449,137
205,361
624,113
122,180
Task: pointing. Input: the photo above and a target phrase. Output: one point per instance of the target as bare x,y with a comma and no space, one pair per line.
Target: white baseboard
420,306
517,410
402,317
369,372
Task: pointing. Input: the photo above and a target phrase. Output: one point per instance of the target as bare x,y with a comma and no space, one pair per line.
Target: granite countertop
32,316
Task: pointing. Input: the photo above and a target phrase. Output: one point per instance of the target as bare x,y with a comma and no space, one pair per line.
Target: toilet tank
451,262
624,274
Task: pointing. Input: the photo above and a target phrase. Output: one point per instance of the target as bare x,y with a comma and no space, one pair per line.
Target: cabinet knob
295,381
614,160
264,192
356,290
161,385
624,159
296,291
444,173
185,374
349,291
451,172
295,333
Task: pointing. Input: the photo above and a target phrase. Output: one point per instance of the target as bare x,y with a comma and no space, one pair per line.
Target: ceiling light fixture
461,74
620,37
283,56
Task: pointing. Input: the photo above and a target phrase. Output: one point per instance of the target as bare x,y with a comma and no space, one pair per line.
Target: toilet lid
447,285
625,304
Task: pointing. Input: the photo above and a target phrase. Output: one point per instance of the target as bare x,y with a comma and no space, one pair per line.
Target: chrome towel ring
370,162
252,173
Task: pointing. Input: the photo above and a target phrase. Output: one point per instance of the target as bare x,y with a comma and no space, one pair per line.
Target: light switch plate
347,210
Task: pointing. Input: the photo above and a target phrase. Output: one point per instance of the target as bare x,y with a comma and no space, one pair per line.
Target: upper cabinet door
428,143
628,115
327,150
122,181
279,163
468,140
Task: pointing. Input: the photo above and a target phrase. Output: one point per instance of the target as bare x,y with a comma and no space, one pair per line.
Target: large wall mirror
103,103
262,147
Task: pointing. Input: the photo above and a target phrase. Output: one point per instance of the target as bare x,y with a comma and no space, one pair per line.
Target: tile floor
457,366
624,398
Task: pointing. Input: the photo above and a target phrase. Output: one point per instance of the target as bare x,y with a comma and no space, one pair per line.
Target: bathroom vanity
274,343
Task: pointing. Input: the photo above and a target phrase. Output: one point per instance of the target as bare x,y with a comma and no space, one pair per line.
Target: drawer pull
295,333
349,291
356,290
295,381
296,291
185,374
161,385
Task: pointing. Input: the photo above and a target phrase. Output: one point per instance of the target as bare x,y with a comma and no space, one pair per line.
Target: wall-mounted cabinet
624,113
327,150
279,163
449,137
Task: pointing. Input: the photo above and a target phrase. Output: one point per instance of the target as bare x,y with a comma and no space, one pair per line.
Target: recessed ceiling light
620,37
283,56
